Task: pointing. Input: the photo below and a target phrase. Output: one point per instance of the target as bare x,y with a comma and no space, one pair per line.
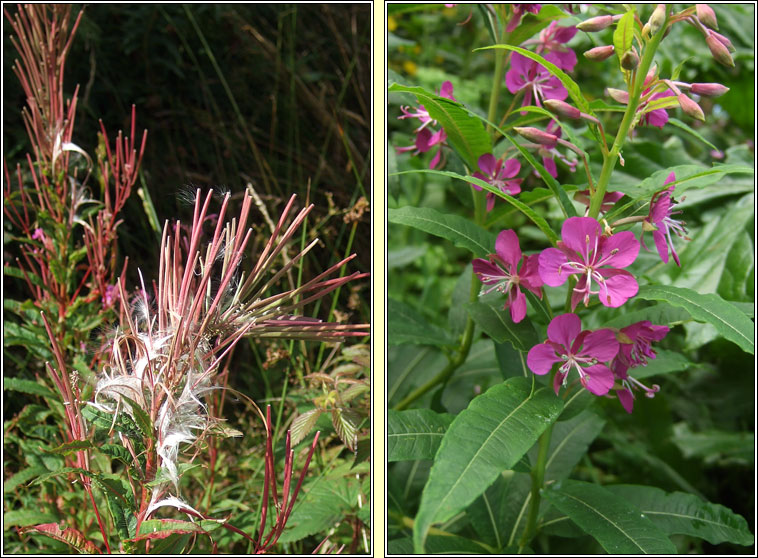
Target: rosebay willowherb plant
162,363
526,416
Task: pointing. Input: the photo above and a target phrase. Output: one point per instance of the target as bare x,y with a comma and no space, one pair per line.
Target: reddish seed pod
706,15
690,107
595,23
537,136
708,89
561,108
718,50
600,53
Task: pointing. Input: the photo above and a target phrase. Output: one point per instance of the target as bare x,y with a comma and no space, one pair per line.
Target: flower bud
630,60
562,108
706,15
690,107
657,19
600,53
724,41
708,89
618,95
595,23
537,136
718,50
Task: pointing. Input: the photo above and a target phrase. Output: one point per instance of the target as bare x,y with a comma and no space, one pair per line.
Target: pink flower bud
618,95
562,108
657,19
690,107
708,89
724,41
718,50
600,53
630,60
706,15
537,136
595,23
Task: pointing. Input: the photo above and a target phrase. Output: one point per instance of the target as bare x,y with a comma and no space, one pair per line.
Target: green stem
497,83
610,158
538,478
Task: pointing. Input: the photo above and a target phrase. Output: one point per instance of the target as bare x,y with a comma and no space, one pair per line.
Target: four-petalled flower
499,174
659,221
503,273
584,351
595,257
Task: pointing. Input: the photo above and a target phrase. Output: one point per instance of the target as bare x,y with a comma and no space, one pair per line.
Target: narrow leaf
686,514
30,387
69,536
618,526
458,230
623,36
406,325
491,435
711,308
498,324
415,434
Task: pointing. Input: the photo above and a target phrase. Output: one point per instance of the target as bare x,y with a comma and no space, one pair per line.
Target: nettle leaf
72,537
729,321
535,217
346,423
406,325
491,435
303,425
415,434
460,231
618,526
488,313
623,36
573,88
465,133
679,513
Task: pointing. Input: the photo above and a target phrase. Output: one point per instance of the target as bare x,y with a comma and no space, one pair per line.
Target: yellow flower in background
391,24
410,67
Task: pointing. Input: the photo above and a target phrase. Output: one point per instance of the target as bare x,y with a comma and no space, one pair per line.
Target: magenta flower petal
626,397
660,243
541,358
627,248
580,234
518,305
601,344
487,164
563,329
598,379
507,247
620,286
550,262
486,269
510,169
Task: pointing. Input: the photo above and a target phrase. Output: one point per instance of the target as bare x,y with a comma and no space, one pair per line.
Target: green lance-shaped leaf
729,321
491,435
498,324
618,526
464,132
72,537
571,86
458,230
686,514
415,434
73,446
623,36
536,218
29,386
406,325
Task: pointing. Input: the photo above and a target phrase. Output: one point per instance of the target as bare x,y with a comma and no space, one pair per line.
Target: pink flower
659,221
502,271
634,350
583,351
426,138
594,256
499,174
534,79
553,39
38,234
609,199
518,11
658,117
